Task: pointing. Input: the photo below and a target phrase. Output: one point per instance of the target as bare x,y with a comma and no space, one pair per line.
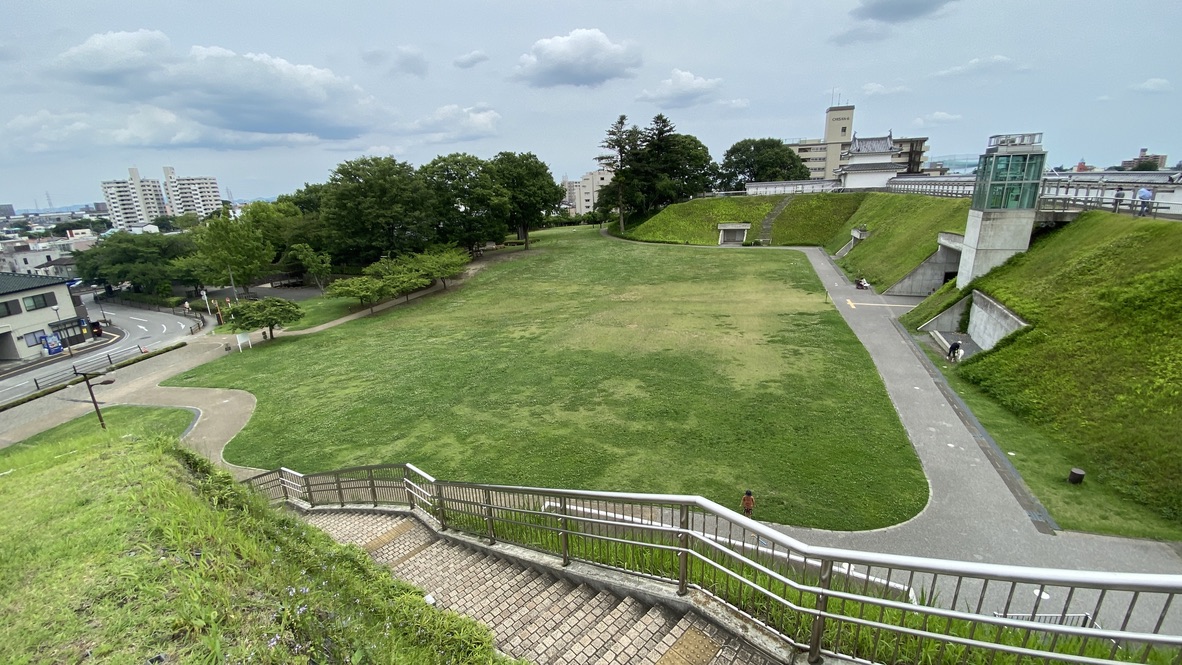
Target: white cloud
897,11
872,89
740,103
1104,98
935,119
456,123
994,63
375,56
409,60
581,58
470,59
1153,85
150,94
680,90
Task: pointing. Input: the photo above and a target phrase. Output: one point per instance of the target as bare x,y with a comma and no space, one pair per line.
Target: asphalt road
145,329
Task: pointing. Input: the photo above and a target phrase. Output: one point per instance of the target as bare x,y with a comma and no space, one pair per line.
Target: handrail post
562,535
282,485
340,491
488,517
440,514
410,496
307,490
373,489
683,553
822,605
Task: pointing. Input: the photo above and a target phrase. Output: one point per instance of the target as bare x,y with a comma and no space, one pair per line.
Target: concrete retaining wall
990,321
929,275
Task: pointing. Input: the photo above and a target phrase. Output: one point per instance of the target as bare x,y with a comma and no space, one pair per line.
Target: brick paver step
642,638
601,637
403,548
577,622
501,619
353,528
397,531
550,611
483,601
472,583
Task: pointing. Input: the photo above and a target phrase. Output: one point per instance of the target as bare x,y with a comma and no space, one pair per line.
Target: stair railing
861,606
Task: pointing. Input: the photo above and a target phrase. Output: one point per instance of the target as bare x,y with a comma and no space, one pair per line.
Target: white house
33,307
870,163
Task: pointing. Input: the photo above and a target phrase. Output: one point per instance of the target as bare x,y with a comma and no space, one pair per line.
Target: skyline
269,96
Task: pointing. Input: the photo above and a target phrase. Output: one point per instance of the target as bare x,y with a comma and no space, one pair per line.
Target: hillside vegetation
119,547
815,219
696,222
903,231
1099,374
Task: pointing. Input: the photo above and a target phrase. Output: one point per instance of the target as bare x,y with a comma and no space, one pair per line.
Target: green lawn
903,231
323,309
814,219
592,363
696,222
117,547
1096,380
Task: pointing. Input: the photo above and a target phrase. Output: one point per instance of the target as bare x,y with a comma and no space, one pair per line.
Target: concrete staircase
765,233
535,614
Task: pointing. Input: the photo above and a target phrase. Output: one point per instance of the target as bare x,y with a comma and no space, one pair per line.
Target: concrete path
971,514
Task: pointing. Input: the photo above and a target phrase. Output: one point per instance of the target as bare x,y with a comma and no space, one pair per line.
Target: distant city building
1144,156
6,210
1083,167
37,257
869,163
825,155
195,194
141,200
133,201
583,194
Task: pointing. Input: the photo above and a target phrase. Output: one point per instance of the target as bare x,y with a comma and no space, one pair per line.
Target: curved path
971,514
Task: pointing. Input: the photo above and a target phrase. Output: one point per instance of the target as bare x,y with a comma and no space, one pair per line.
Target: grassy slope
118,549
903,233
592,363
696,222
1095,378
815,219
323,309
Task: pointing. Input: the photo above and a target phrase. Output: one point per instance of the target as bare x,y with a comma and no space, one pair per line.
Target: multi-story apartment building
583,194
824,156
1144,156
135,200
196,194
141,200
51,257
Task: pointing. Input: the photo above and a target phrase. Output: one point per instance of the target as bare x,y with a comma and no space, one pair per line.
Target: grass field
592,363
323,309
814,219
1096,379
903,230
118,548
696,222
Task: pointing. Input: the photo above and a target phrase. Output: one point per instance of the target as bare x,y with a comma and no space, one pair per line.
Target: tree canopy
759,160
234,250
375,206
143,260
267,313
530,190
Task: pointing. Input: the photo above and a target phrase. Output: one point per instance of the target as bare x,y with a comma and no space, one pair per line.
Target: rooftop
14,282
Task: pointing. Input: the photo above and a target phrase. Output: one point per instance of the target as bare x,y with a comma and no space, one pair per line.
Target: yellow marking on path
850,303
878,304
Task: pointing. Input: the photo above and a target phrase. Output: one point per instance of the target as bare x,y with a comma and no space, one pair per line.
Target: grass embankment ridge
696,222
903,233
119,546
1096,378
595,364
815,219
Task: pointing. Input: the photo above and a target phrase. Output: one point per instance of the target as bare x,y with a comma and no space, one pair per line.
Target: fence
92,363
861,606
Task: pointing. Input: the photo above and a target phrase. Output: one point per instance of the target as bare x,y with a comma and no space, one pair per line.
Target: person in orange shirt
748,503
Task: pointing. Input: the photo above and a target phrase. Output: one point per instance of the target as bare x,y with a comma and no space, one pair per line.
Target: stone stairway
535,614
765,233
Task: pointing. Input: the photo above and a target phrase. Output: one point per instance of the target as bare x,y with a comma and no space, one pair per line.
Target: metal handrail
836,595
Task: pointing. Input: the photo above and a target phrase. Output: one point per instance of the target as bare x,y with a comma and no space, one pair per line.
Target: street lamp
86,377
65,338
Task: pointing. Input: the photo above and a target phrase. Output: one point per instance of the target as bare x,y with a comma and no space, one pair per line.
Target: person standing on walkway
1118,199
1144,195
748,503
953,350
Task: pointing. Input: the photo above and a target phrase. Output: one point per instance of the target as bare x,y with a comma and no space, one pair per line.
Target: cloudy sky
267,95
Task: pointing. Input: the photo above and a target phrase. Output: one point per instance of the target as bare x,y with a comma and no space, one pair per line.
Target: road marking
165,327
876,304
850,303
181,324
142,328
16,386
135,319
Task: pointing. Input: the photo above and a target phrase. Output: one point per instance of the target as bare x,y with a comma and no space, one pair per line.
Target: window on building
843,128
34,338
40,301
26,260
10,308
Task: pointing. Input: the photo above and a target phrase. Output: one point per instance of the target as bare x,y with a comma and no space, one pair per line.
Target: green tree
623,144
440,263
466,203
368,290
316,264
267,313
375,206
143,260
530,188
193,270
234,249
187,221
760,160
1144,165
